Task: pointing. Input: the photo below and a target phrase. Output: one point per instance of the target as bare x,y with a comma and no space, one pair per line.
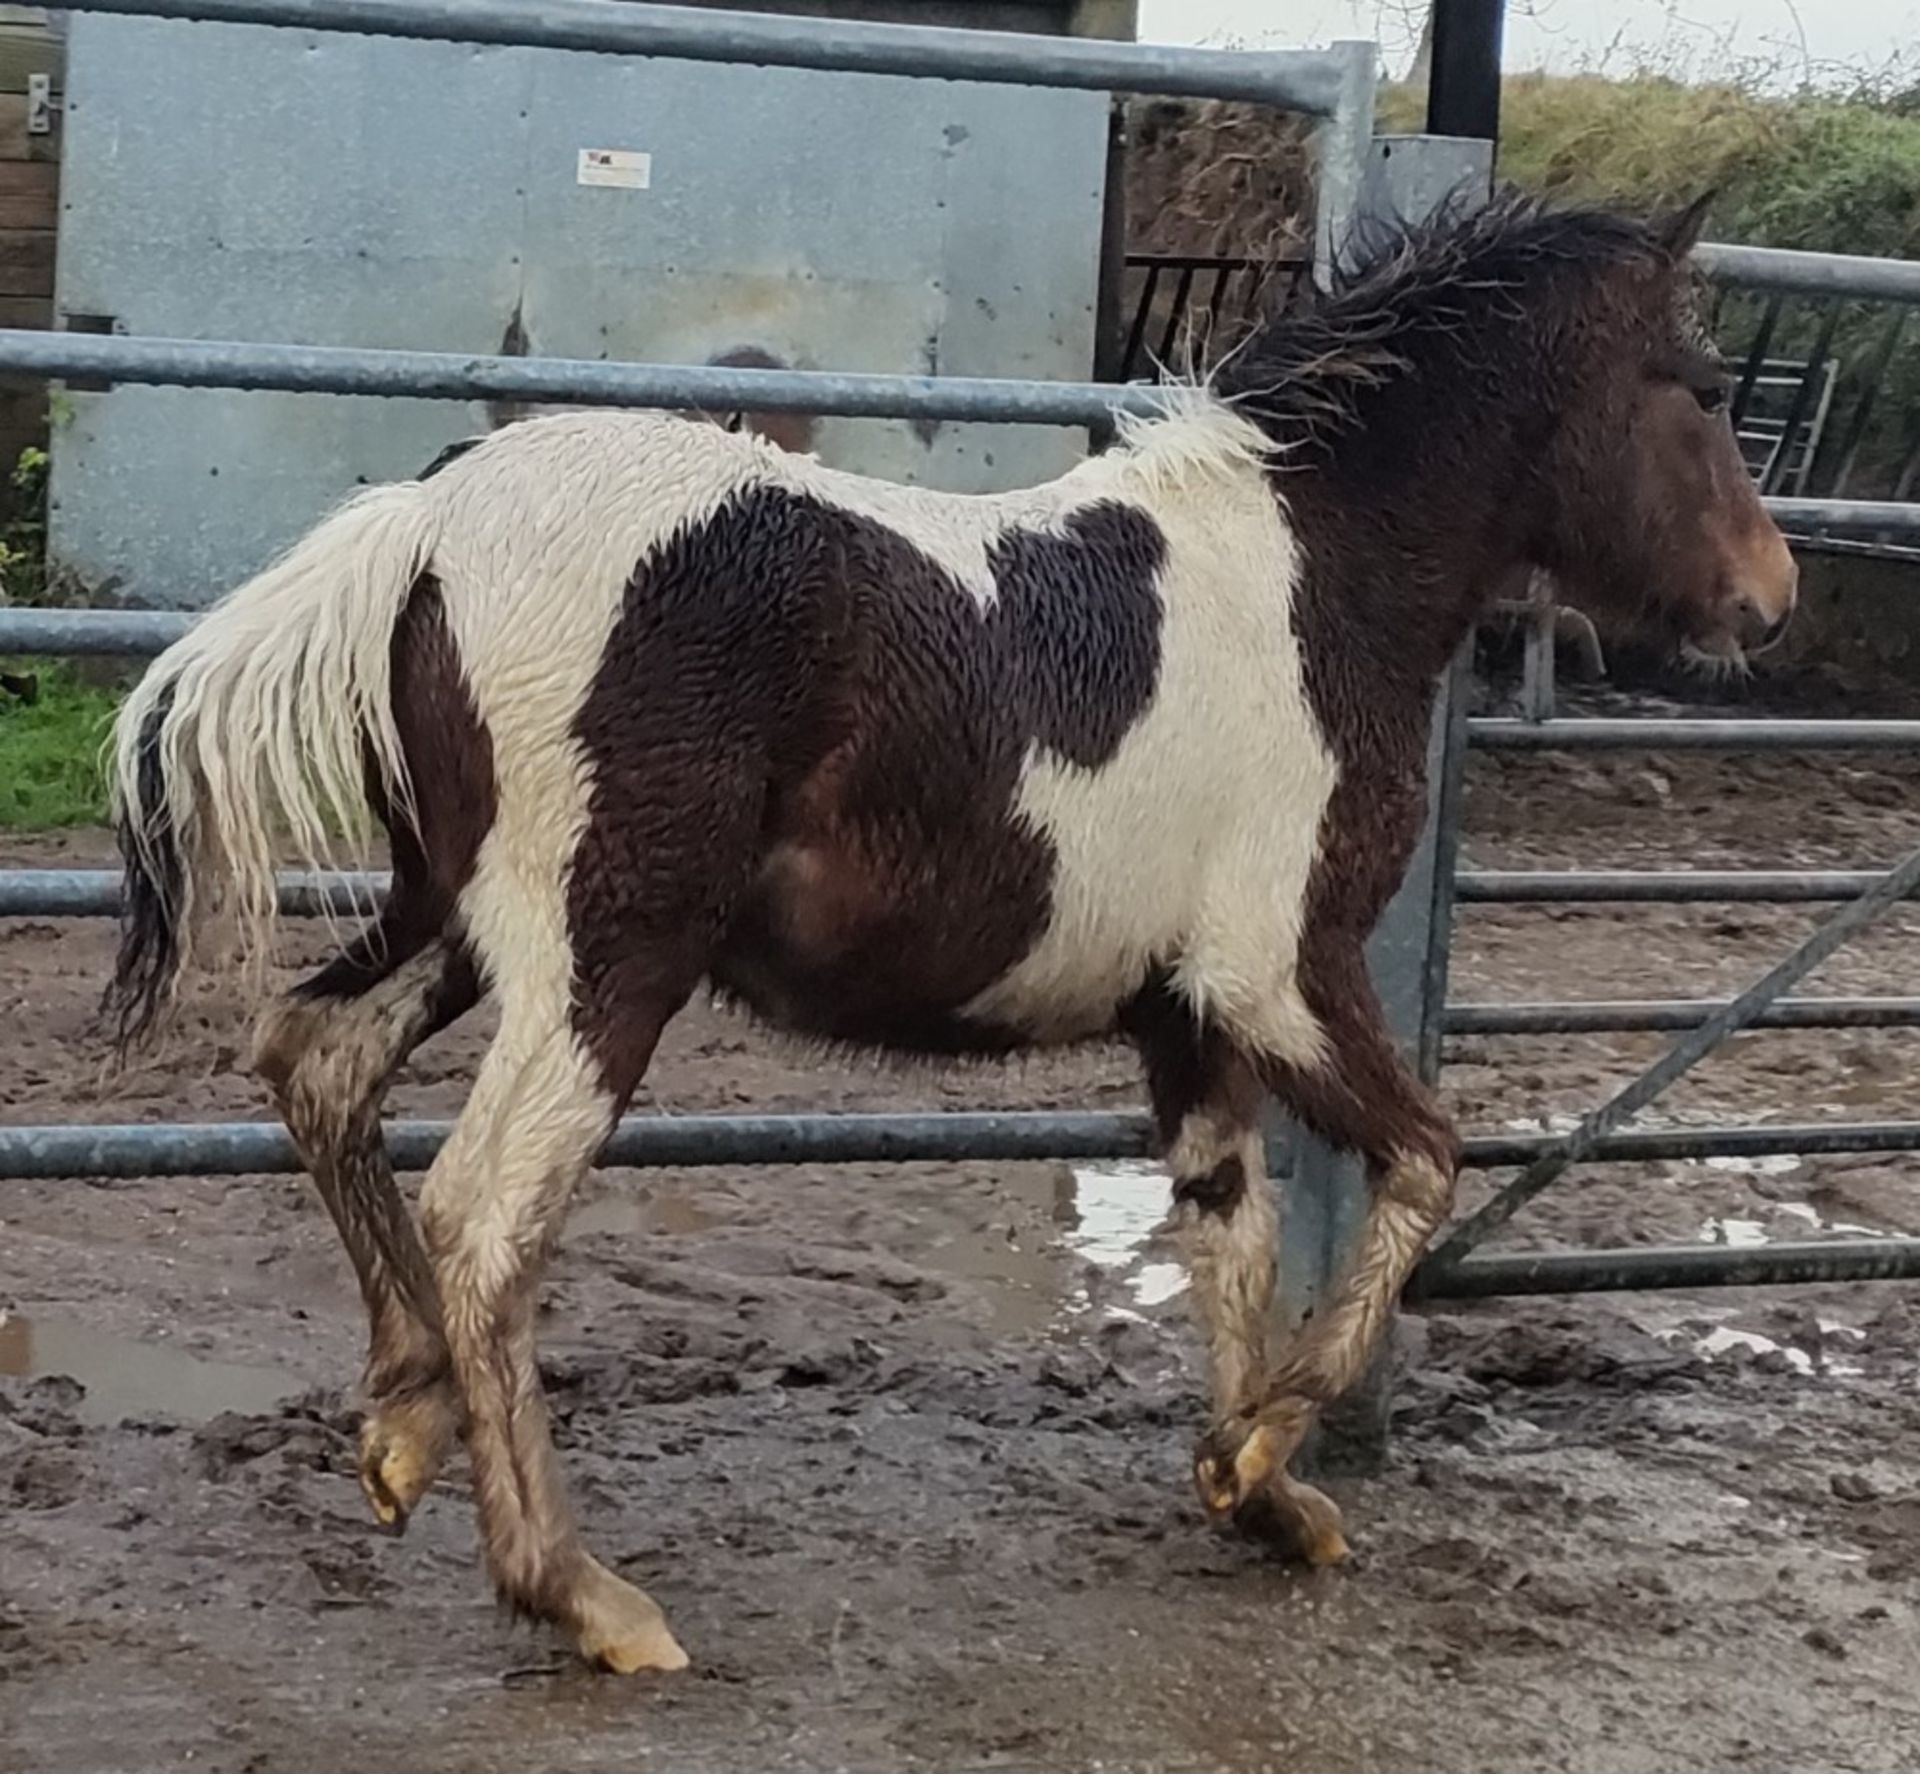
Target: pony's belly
820,1001
1064,992
821,947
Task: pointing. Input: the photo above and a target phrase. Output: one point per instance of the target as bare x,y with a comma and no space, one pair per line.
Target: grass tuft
52,728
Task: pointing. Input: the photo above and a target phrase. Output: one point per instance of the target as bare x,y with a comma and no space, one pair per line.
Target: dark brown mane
1302,374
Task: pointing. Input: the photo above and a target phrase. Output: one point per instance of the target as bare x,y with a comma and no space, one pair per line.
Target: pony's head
1644,509
1523,385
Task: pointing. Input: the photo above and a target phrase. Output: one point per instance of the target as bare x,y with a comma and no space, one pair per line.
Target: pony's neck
1417,509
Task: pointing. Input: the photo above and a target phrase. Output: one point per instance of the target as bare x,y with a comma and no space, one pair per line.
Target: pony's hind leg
573,1043
328,1050
1207,1098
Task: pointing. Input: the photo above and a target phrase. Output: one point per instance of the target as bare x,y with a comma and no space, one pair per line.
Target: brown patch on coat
449,757
1194,1069
807,740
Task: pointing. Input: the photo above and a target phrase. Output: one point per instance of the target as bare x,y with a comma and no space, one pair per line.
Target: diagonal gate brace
1679,1059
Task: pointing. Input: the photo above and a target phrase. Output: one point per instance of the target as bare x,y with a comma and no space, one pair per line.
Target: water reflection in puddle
628,1214
1768,1164
1025,1259
1117,1209
1723,1339
125,1377
1747,1233
1108,1215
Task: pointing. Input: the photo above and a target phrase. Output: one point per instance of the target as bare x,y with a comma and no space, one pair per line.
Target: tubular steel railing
1333,86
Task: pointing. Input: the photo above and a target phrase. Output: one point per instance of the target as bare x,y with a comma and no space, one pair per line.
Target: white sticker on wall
621,168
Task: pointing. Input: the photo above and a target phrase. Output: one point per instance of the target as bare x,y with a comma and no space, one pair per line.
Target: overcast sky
1814,36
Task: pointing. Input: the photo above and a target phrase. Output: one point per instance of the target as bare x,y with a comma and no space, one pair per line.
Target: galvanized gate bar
146,632
1648,1015
1680,1058
1501,734
1660,886
1811,274
79,634
1295,80
1845,514
95,893
1642,1145
447,375
261,1148
247,1148
1695,1265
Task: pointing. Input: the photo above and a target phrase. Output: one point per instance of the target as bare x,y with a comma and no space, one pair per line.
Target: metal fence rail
686,1142
445,375
1851,275
1669,1266
1306,81
144,633
1660,886
1502,734
1634,1016
95,893
260,1148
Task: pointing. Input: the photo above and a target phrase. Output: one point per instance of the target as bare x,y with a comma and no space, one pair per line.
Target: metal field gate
423,374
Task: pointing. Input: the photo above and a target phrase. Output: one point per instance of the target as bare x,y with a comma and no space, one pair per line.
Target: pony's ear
1680,233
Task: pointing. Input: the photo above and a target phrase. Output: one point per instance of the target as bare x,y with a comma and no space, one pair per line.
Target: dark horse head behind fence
644,704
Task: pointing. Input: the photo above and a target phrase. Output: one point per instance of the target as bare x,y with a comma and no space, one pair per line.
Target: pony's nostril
1761,630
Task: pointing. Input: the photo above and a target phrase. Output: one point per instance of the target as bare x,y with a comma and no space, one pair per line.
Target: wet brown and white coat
644,704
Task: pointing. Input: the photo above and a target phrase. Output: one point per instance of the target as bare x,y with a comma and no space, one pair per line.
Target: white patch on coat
1193,846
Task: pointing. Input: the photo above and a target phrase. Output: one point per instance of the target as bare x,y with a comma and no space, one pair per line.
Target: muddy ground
904,1452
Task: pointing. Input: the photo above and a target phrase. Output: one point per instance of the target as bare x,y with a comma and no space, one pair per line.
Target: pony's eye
1712,397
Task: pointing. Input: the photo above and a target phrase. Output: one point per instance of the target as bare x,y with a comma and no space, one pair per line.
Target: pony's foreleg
1360,1097
328,1050
1207,1099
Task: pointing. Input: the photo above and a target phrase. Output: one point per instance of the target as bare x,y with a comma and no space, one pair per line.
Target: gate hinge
41,104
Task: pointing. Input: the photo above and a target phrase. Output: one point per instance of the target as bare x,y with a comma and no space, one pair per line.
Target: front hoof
1297,1522
621,1629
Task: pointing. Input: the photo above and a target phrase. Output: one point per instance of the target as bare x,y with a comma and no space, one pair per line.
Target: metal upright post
1344,157
1326,1196
1463,87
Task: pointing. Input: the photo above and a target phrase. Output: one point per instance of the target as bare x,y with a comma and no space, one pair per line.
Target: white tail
265,718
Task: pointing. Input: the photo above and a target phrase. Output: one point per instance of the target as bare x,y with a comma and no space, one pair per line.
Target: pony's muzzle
1762,621
1763,601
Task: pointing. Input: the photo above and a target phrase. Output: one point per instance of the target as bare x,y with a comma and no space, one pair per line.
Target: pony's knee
1423,1178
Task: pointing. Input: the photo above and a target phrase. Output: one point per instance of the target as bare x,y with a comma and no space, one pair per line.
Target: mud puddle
1028,1267
125,1378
